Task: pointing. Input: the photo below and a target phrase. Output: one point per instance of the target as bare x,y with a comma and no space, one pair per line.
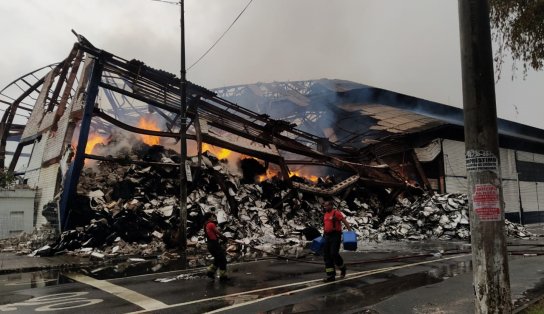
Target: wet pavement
437,282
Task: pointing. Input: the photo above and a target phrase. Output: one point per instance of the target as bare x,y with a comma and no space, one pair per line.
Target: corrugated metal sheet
539,158
529,196
456,185
454,158
429,152
540,195
525,156
510,193
508,163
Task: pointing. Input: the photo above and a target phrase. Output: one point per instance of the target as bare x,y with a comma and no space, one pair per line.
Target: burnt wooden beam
65,66
233,205
67,90
420,171
126,161
99,113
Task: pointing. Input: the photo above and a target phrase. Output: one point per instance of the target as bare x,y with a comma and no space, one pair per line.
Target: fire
297,173
270,173
93,140
220,153
149,125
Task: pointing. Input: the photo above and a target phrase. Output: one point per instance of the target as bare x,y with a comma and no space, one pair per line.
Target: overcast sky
411,47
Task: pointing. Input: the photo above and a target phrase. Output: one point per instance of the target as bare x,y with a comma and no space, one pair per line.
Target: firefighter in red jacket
212,238
332,230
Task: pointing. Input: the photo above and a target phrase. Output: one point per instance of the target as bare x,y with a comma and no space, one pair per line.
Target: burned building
422,141
94,104
82,101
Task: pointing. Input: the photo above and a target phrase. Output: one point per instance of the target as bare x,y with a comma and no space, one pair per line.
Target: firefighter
332,233
212,237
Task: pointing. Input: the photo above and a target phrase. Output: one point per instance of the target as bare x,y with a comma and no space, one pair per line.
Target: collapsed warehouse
102,138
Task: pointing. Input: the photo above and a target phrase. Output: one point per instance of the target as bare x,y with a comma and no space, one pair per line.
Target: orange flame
221,153
149,125
270,173
93,140
298,173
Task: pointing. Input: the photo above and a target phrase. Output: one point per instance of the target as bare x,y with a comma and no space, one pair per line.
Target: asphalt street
376,283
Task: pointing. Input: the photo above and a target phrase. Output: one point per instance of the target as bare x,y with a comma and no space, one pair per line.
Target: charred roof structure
66,105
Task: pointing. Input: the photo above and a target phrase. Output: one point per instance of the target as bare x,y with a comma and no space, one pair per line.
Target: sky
410,47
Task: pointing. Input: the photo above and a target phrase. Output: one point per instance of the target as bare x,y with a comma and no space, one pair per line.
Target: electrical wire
169,2
220,37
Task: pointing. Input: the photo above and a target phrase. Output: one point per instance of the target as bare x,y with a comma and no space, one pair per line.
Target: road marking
308,282
189,271
353,276
53,302
133,297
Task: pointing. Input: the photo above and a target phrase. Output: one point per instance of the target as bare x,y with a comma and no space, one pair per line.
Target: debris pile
443,217
133,210
25,243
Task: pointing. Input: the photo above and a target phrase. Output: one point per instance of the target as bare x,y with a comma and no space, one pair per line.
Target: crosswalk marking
131,296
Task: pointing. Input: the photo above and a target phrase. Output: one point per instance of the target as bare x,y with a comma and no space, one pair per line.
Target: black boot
223,276
343,270
331,274
211,272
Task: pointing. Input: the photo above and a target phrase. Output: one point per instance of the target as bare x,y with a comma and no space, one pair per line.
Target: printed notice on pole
486,202
188,173
481,160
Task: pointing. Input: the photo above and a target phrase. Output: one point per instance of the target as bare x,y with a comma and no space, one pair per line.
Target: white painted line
189,271
354,276
133,297
308,282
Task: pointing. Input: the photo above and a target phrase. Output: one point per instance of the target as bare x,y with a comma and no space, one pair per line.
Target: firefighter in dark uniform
332,233
212,237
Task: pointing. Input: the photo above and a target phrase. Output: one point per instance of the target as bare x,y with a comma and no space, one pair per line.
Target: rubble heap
132,209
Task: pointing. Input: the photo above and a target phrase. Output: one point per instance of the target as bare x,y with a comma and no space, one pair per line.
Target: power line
220,37
169,2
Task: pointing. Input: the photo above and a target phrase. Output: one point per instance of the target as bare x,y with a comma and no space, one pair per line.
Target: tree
6,178
518,28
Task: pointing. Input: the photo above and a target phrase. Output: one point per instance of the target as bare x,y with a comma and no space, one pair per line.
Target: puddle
342,297
29,280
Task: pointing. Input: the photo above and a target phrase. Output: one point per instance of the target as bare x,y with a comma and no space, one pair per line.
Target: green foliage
6,178
518,28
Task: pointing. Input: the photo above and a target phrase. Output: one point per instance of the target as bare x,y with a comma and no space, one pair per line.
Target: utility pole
489,254
183,142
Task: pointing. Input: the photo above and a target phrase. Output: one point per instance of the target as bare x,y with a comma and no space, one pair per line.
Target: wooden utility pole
183,143
489,254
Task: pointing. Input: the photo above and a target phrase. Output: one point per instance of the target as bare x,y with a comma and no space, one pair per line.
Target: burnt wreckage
327,138
67,103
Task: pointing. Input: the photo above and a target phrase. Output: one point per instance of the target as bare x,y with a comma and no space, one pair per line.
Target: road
267,286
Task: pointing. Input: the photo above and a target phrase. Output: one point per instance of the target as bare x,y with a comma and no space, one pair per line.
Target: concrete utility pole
489,255
183,143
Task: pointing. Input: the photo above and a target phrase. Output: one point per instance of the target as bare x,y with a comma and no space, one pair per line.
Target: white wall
16,211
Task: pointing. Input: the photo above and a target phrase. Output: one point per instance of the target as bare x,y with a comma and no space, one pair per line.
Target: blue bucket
349,240
317,244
